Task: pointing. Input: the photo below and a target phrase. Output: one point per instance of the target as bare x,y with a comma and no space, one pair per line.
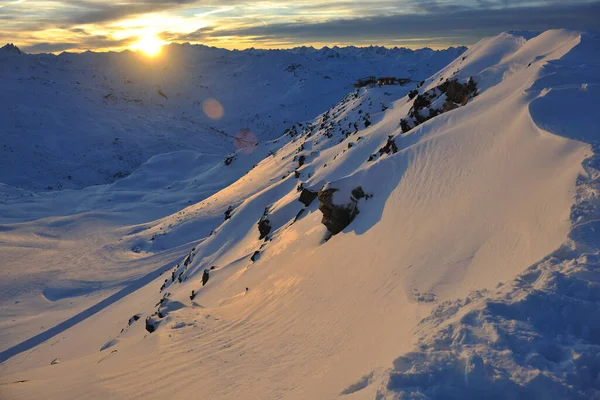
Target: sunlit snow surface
470,273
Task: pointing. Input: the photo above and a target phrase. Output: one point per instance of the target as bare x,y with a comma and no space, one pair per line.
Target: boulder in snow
336,214
307,196
264,227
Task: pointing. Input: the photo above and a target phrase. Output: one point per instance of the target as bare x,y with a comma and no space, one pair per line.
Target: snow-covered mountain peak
10,48
156,106
433,239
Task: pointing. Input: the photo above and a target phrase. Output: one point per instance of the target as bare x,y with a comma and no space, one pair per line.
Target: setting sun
149,45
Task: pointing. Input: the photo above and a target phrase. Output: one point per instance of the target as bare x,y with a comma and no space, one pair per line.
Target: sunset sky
72,25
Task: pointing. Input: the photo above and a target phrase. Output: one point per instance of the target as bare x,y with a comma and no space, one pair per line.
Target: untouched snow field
467,270
92,118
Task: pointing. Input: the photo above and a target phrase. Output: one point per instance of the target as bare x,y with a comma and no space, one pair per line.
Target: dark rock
264,227
458,94
255,256
193,295
228,213
390,146
358,193
301,160
134,318
336,217
205,277
150,325
421,101
404,125
412,94
307,196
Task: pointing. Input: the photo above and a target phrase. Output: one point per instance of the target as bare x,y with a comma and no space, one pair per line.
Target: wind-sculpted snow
536,336
258,298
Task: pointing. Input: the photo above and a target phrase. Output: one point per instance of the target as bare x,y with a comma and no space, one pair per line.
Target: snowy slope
486,187
92,118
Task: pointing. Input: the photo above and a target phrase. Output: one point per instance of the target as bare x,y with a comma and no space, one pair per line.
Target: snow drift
465,270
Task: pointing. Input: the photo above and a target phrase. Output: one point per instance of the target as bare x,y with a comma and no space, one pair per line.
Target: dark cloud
46,47
467,25
88,42
421,22
87,12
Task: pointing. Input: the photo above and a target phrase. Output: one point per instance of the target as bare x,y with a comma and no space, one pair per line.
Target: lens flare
213,109
245,141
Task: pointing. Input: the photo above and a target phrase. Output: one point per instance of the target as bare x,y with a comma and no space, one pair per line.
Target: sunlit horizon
39,26
149,45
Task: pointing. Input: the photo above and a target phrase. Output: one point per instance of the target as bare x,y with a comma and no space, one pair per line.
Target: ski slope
467,268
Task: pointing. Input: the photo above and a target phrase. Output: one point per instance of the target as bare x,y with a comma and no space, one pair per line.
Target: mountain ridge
471,235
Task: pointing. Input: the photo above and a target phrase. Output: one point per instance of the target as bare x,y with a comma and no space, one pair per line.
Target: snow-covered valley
431,240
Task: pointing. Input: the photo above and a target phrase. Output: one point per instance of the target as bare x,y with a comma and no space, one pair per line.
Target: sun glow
149,45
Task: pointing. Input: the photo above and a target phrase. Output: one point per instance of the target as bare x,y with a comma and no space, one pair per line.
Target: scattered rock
307,196
160,92
301,160
264,227
134,318
358,193
390,146
336,217
458,94
404,125
228,213
151,325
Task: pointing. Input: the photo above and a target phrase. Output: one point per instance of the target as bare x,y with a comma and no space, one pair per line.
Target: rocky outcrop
390,146
228,213
205,276
336,217
459,92
307,196
457,95
301,160
151,324
264,227
133,319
